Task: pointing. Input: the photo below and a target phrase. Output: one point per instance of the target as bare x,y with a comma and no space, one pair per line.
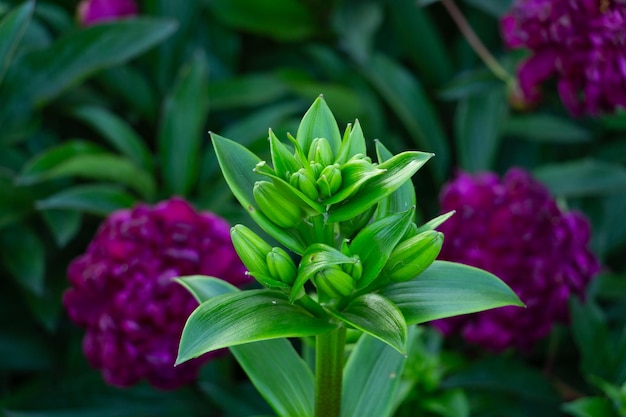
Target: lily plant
350,258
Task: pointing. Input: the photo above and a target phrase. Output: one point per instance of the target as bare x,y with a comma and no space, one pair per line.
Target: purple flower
514,229
91,12
123,294
582,43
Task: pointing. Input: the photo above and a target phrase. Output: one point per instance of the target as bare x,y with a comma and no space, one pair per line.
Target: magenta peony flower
123,293
582,43
91,12
514,229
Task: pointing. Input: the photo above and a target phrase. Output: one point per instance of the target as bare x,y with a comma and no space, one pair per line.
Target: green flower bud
320,151
412,256
303,181
329,181
251,248
276,207
355,270
281,266
317,169
334,282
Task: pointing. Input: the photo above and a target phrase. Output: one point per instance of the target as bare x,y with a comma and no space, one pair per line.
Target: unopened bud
329,181
278,209
334,282
412,256
355,270
317,169
251,249
281,266
321,151
303,181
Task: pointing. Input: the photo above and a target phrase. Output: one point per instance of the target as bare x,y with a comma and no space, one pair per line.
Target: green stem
474,41
329,358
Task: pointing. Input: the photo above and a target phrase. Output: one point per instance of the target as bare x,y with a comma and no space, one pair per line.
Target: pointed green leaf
353,144
287,388
586,177
96,198
54,157
376,241
12,28
243,317
291,193
203,287
400,200
377,316
399,169
319,122
282,158
354,173
64,224
449,289
106,167
373,371
280,375
118,132
237,164
317,257
182,127
436,222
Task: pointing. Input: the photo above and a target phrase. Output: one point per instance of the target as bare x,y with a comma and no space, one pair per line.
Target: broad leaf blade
97,199
181,129
12,28
53,157
118,132
373,372
243,317
448,289
237,164
582,178
203,287
399,169
378,317
319,122
280,375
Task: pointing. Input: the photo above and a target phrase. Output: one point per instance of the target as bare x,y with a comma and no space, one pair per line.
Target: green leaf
449,289
375,242
436,222
378,317
105,167
283,160
237,164
12,28
131,84
470,83
318,256
545,128
373,372
407,98
399,169
353,143
181,130
54,157
287,388
243,317
582,178
23,255
44,74
118,133
251,90
319,122
279,374
477,129
400,200
64,224
284,20
99,199
590,407
204,287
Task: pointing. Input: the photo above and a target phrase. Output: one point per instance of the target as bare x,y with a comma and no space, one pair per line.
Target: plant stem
474,41
329,358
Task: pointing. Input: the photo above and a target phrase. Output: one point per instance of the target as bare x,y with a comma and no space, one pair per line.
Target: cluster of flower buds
348,221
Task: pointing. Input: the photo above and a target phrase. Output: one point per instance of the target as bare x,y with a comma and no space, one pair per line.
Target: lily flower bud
321,151
329,181
355,270
275,206
317,169
251,248
302,181
281,266
334,282
412,256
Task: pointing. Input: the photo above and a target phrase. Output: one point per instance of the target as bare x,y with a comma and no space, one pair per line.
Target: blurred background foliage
95,119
